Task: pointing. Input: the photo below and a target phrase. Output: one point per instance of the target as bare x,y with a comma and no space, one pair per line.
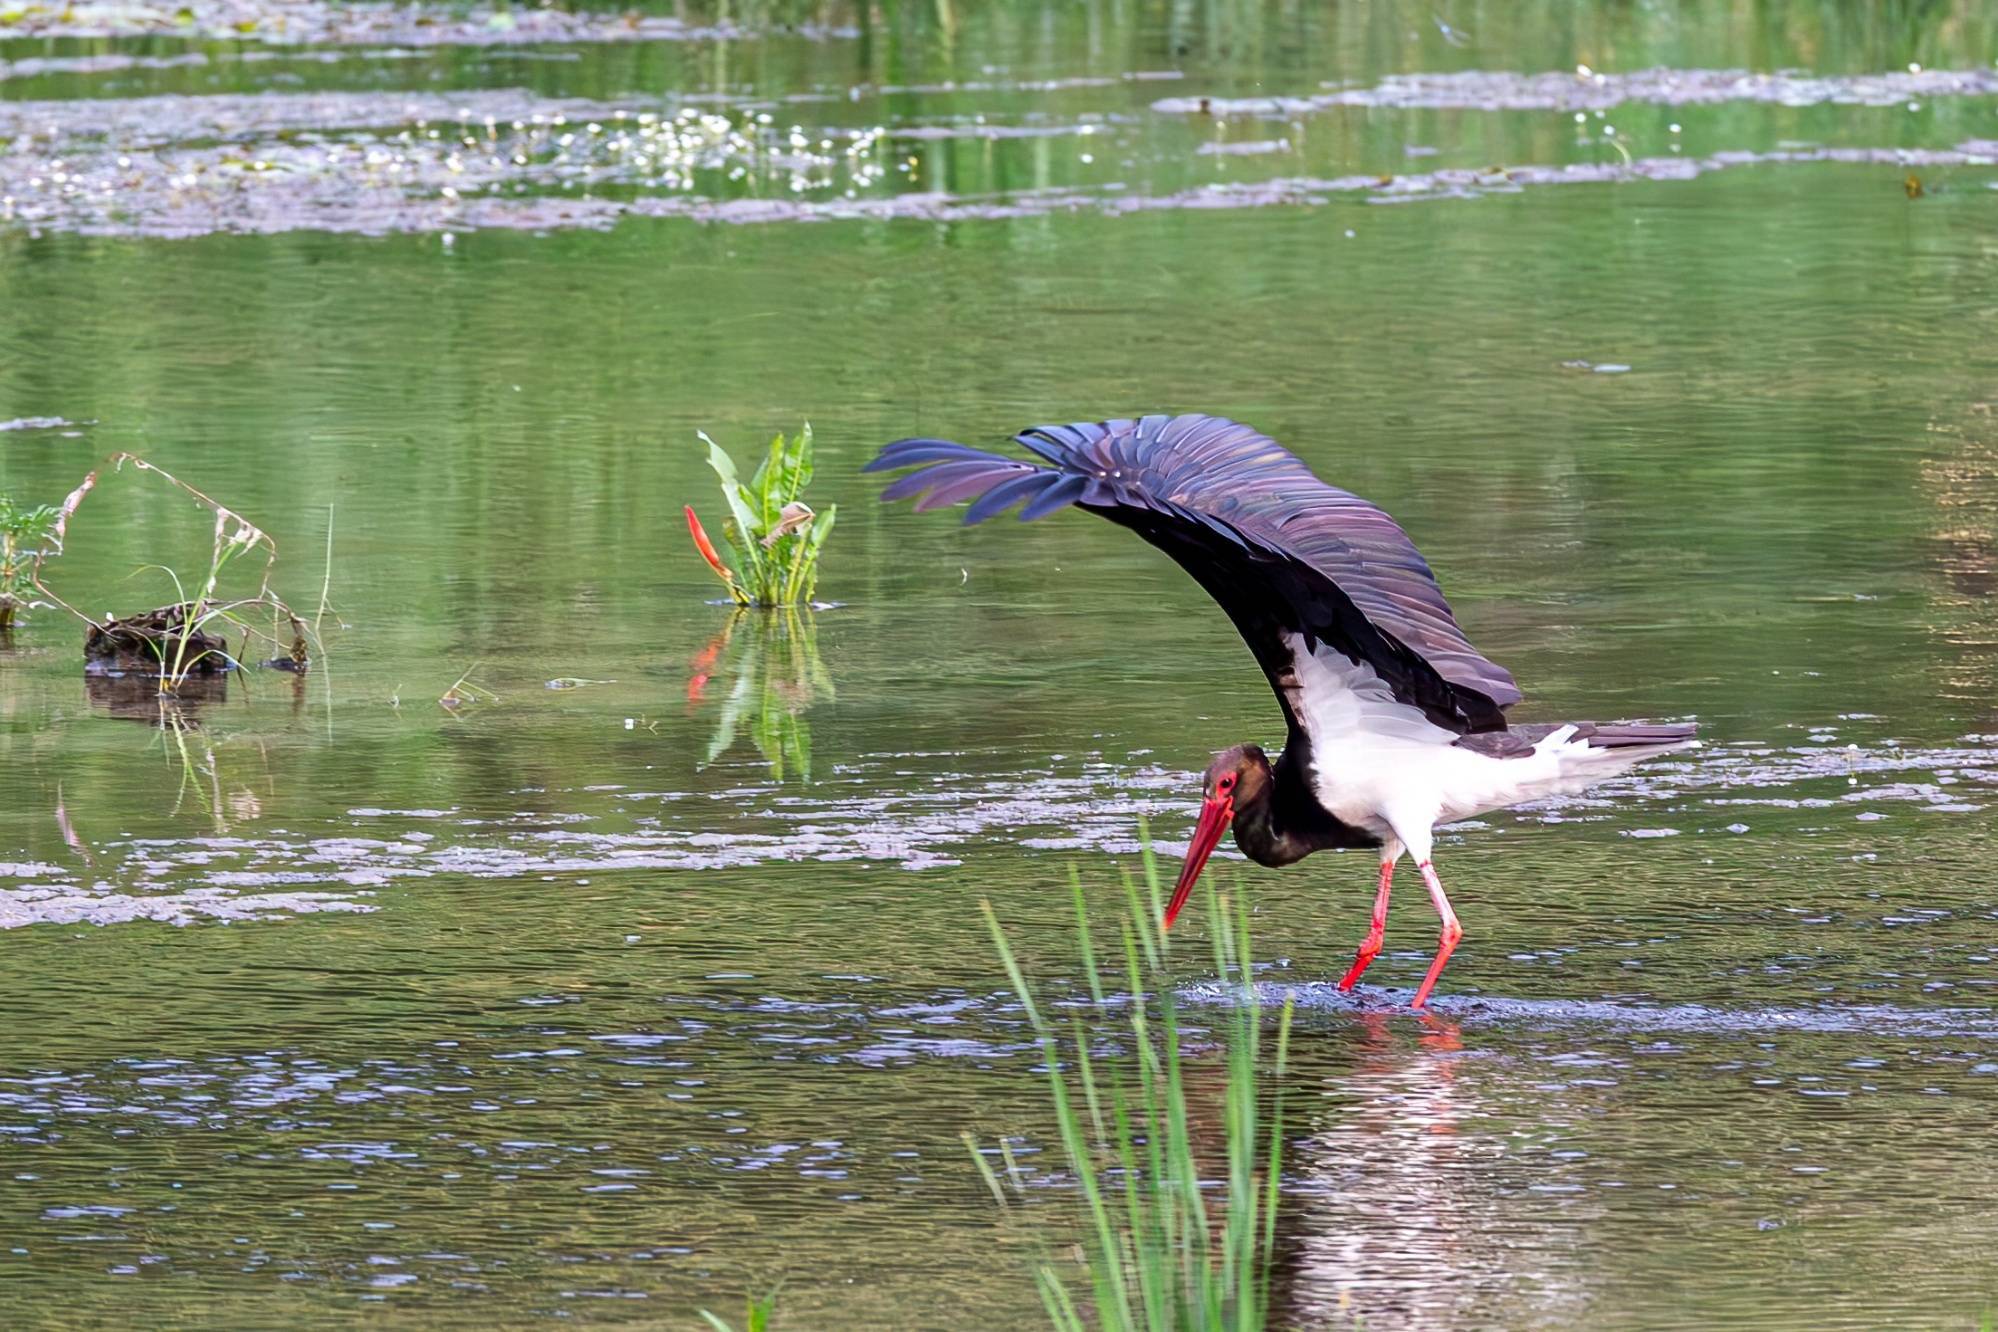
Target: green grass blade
1158,940
1012,1166
1082,1162
1055,1299
985,1171
1006,959
1086,1071
1273,1167
1141,921
1082,936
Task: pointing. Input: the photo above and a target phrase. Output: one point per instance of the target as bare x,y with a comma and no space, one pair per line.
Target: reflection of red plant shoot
703,664
707,549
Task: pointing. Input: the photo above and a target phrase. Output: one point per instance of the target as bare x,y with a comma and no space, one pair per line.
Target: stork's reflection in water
1400,1197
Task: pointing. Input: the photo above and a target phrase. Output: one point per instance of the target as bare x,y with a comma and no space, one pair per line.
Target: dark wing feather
1279,549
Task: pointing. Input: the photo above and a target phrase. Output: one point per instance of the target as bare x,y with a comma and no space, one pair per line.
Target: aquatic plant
1161,1252
187,636
23,532
776,538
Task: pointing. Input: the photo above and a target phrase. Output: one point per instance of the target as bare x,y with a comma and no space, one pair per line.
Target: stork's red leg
1371,949
1452,932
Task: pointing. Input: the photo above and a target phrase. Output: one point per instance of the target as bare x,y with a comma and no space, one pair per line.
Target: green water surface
332,1003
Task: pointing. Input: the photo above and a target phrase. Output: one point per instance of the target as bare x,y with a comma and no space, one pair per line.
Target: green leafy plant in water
23,535
1161,1252
778,677
775,536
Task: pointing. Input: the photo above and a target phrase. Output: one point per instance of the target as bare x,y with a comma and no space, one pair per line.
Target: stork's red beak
1214,817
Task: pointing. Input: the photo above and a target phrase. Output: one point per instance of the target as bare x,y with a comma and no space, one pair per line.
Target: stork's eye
1226,784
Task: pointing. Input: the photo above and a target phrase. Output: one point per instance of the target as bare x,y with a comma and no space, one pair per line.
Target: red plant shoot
707,548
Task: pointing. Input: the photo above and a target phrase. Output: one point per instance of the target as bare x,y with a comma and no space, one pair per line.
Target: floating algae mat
419,160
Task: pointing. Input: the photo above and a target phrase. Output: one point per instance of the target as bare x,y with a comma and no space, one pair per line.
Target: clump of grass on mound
775,536
188,636
1161,1252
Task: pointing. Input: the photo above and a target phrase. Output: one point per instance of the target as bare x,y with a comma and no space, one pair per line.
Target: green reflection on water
778,676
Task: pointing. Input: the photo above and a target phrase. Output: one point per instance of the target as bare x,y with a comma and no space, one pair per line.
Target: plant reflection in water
770,660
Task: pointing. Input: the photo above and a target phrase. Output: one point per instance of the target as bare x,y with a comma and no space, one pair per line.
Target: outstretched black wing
1282,552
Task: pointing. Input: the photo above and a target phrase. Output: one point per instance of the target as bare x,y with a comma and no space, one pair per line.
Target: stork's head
1238,778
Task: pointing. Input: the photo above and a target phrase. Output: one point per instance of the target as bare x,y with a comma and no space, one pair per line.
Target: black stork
1396,723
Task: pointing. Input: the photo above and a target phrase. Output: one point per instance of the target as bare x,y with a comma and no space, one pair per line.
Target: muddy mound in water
152,642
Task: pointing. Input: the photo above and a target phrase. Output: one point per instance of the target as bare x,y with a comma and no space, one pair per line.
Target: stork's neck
1285,822
1261,828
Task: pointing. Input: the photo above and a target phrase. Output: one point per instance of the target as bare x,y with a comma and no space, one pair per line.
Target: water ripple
1095,809
1588,90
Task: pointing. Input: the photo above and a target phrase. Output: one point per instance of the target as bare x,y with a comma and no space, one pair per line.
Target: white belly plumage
1381,765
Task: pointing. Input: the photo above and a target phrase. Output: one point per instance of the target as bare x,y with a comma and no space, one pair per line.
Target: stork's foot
1376,932
1445,945
1447,942
1363,959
